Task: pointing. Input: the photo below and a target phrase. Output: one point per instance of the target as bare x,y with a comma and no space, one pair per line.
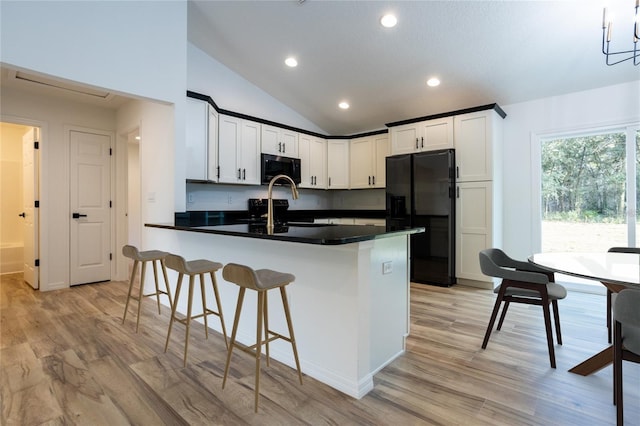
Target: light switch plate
387,267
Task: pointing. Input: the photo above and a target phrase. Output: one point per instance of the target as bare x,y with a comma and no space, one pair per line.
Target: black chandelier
613,58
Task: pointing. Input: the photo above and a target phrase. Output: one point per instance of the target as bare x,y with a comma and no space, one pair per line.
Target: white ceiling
483,51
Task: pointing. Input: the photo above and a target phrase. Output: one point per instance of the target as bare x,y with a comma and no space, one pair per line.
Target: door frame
67,129
43,223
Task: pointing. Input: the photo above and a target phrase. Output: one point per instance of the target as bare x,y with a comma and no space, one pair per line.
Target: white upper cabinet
367,161
426,135
239,151
313,161
476,135
337,164
201,141
279,141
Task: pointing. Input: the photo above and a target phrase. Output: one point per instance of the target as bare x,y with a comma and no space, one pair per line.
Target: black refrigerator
420,192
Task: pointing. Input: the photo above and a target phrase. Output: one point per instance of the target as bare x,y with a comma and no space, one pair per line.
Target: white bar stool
192,268
261,281
143,257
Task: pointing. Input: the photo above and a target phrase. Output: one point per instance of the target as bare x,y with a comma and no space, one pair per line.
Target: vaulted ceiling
482,51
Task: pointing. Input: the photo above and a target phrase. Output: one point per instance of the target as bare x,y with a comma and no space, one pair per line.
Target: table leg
595,363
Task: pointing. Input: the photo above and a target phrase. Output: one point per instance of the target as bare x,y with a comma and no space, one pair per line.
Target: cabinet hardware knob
416,143
369,180
284,147
239,174
244,174
329,181
457,192
374,180
279,146
457,172
422,138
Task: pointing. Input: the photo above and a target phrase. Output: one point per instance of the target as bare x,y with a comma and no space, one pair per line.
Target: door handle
22,214
78,215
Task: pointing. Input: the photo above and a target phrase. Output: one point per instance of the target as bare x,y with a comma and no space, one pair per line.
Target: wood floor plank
66,358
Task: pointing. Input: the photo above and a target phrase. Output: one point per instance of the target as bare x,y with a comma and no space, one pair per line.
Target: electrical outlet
229,199
387,267
190,198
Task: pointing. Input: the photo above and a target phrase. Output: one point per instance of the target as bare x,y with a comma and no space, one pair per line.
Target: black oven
273,165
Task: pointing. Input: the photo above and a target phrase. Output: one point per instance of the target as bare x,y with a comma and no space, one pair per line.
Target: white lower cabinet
238,151
477,228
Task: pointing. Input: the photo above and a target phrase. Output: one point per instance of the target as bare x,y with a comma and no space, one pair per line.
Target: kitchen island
349,302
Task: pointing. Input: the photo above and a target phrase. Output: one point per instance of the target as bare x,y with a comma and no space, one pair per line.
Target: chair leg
174,307
504,314
204,306
492,320
141,294
617,373
261,298
133,275
292,339
547,326
234,330
609,319
556,315
214,283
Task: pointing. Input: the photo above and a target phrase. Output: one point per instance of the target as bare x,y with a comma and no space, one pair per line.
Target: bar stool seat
192,268
143,257
261,281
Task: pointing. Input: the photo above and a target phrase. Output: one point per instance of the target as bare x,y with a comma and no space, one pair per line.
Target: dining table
616,271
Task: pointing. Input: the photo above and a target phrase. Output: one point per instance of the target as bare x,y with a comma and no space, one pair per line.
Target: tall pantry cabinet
478,139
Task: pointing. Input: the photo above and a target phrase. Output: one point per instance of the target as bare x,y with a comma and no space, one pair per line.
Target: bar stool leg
266,324
261,298
174,307
292,339
133,275
234,330
219,306
155,281
188,322
204,306
166,281
140,296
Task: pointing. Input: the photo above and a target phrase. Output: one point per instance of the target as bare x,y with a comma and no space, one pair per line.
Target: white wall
613,105
230,91
52,115
11,225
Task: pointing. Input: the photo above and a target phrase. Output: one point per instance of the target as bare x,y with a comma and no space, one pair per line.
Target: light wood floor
65,358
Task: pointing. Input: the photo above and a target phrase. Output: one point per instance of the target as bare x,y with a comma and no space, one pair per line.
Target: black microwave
274,165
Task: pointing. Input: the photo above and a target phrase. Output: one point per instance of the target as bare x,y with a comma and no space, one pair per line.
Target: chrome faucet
294,193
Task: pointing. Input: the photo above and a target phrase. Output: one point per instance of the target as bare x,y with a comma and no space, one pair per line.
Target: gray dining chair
612,289
626,341
522,282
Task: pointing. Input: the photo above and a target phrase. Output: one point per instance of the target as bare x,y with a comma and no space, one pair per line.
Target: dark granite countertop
307,233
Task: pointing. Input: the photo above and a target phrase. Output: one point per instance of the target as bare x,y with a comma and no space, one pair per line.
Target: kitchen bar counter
349,302
303,232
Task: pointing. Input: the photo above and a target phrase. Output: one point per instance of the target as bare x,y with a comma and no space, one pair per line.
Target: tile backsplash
234,197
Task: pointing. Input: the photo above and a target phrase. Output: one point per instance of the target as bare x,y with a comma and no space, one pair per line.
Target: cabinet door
473,143
474,227
381,152
228,149
436,134
304,150
318,154
289,140
361,163
404,139
337,164
196,139
278,141
249,157
212,151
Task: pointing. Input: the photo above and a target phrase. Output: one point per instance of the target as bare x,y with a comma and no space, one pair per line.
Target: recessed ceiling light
344,105
291,62
433,82
389,21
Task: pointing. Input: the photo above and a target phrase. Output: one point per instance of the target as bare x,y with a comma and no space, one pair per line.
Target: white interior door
90,215
29,212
